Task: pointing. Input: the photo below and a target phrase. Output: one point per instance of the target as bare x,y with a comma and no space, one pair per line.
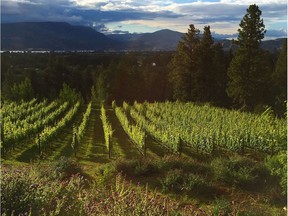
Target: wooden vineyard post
272,150
2,137
180,146
213,145
74,143
109,147
145,147
39,144
13,143
197,143
242,147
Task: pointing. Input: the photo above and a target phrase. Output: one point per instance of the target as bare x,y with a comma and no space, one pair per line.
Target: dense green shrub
173,181
65,167
277,165
170,162
105,174
179,181
137,167
18,192
235,170
195,183
145,168
28,191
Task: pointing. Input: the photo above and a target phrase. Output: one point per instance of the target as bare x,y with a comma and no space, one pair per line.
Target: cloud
100,27
120,32
249,2
222,15
224,36
117,5
276,33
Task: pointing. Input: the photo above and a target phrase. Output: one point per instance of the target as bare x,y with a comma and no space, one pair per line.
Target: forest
137,76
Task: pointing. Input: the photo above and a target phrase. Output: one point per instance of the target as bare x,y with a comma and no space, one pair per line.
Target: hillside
63,36
52,36
163,40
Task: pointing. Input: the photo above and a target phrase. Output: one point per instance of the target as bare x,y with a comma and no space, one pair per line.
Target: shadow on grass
121,146
93,146
99,159
155,148
29,155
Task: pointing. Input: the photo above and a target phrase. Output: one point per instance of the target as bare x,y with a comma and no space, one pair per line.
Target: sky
139,16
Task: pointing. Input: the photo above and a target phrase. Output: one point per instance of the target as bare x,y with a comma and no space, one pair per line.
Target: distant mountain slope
126,37
273,45
163,40
52,36
63,36
167,40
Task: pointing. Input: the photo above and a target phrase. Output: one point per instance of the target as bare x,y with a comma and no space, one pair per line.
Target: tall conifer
248,69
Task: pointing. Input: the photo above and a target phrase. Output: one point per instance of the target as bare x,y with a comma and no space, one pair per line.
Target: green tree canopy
252,29
21,91
69,94
183,63
196,70
279,80
99,91
248,71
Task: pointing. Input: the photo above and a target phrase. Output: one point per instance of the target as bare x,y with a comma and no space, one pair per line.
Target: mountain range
63,36
52,36
163,40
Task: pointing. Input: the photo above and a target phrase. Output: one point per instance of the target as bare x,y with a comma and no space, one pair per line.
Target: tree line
199,71
105,77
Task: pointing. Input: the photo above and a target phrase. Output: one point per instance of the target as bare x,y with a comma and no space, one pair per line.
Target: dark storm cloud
224,14
120,32
65,11
17,11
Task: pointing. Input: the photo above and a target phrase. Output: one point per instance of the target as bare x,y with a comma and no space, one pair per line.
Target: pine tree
196,70
183,64
279,81
101,89
220,63
203,78
248,69
22,91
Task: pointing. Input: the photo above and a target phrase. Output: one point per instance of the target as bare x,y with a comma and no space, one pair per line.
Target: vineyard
96,136
173,126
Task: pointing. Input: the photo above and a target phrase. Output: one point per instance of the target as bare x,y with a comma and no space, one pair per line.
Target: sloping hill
52,36
63,36
163,40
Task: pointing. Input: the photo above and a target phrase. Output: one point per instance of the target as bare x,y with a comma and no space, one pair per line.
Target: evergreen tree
183,64
218,85
55,72
69,94
22,91
197,70
203,78
248,69
279,80
99,91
